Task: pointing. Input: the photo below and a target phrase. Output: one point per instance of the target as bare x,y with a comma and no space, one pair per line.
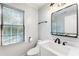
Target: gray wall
31,29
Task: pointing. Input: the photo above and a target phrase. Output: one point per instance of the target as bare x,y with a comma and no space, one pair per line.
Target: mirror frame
76,22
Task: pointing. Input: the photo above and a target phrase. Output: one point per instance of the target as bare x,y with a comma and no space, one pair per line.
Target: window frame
2,5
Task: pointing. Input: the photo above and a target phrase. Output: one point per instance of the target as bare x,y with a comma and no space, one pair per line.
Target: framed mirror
64,22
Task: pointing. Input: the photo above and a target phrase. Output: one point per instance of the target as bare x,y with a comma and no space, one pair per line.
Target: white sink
55,48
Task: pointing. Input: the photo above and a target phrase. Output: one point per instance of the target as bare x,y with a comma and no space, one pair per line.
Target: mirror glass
64,22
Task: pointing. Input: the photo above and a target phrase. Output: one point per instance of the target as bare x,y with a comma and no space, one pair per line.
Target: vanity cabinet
46,52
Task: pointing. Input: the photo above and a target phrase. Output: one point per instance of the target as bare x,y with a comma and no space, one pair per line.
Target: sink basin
55,48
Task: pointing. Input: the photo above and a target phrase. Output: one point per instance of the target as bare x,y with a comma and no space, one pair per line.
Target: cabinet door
45,52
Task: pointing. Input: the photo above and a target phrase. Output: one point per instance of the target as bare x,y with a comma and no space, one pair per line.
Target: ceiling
36,5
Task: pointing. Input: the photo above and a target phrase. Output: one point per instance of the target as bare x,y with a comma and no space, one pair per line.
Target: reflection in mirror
64,22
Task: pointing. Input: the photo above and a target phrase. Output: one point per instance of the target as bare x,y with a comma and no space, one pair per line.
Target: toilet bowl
33,51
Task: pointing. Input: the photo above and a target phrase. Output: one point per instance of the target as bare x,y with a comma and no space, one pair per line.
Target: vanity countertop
59,49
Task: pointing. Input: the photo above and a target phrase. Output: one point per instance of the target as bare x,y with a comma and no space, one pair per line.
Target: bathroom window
12,25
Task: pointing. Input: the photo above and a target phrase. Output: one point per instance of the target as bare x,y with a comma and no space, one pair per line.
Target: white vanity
50,48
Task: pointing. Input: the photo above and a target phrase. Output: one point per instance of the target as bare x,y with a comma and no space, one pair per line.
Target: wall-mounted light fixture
58,4
52,4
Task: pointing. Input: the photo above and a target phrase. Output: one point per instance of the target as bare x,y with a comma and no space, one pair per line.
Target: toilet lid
33,51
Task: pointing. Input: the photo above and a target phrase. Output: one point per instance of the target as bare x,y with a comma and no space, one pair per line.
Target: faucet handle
64,43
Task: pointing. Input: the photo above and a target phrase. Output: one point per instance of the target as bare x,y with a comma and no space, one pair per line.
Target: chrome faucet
57,40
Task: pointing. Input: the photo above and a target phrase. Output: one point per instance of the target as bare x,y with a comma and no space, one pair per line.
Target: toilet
34,51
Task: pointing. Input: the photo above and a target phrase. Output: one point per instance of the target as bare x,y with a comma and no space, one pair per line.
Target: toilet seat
33,51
